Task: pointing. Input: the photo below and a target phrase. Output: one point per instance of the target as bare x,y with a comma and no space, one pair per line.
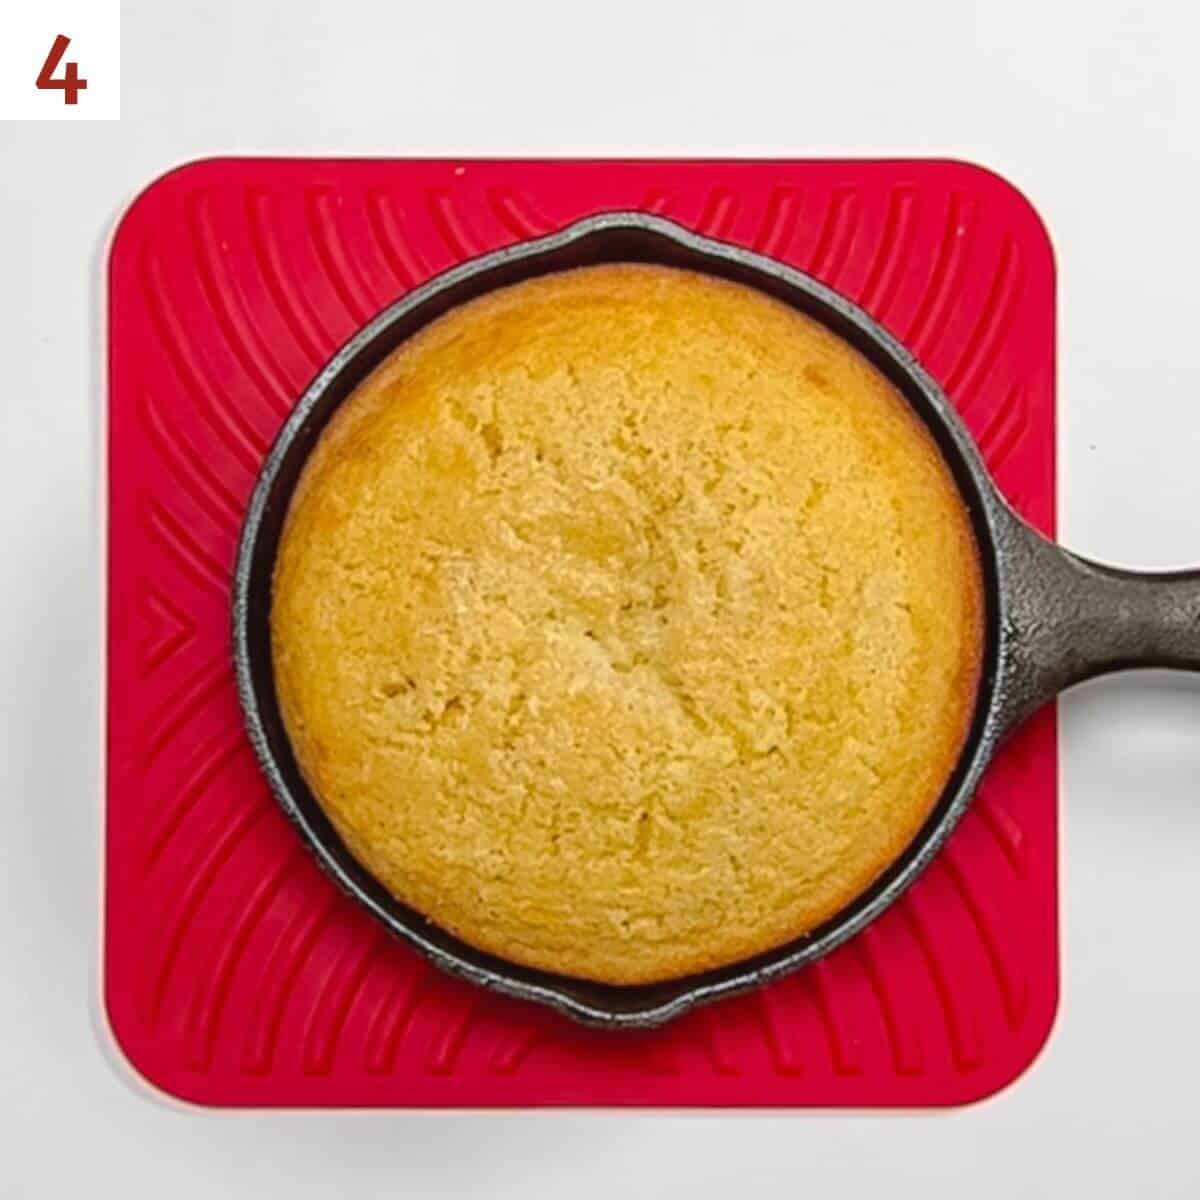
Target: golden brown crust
627,623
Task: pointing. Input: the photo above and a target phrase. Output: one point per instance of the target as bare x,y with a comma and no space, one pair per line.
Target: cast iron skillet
1052,619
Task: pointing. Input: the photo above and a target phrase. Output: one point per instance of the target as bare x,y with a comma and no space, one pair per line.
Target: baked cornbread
626,623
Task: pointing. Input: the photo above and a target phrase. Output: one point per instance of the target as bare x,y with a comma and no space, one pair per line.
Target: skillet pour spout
1052,619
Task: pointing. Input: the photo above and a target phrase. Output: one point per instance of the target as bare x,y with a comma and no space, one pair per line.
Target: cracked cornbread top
626,623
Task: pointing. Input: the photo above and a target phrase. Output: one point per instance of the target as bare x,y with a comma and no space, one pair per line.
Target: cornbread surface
626,623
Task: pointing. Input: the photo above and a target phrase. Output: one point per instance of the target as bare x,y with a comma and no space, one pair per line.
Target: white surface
1092,111
28,32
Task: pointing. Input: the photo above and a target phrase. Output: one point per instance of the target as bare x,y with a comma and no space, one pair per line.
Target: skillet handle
1069,619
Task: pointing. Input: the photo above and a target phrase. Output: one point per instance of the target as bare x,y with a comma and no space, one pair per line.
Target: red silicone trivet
234,972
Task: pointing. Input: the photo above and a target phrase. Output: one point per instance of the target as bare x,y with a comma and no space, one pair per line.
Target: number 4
69,84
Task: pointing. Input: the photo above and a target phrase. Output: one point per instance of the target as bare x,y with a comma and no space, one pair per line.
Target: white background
1092,110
